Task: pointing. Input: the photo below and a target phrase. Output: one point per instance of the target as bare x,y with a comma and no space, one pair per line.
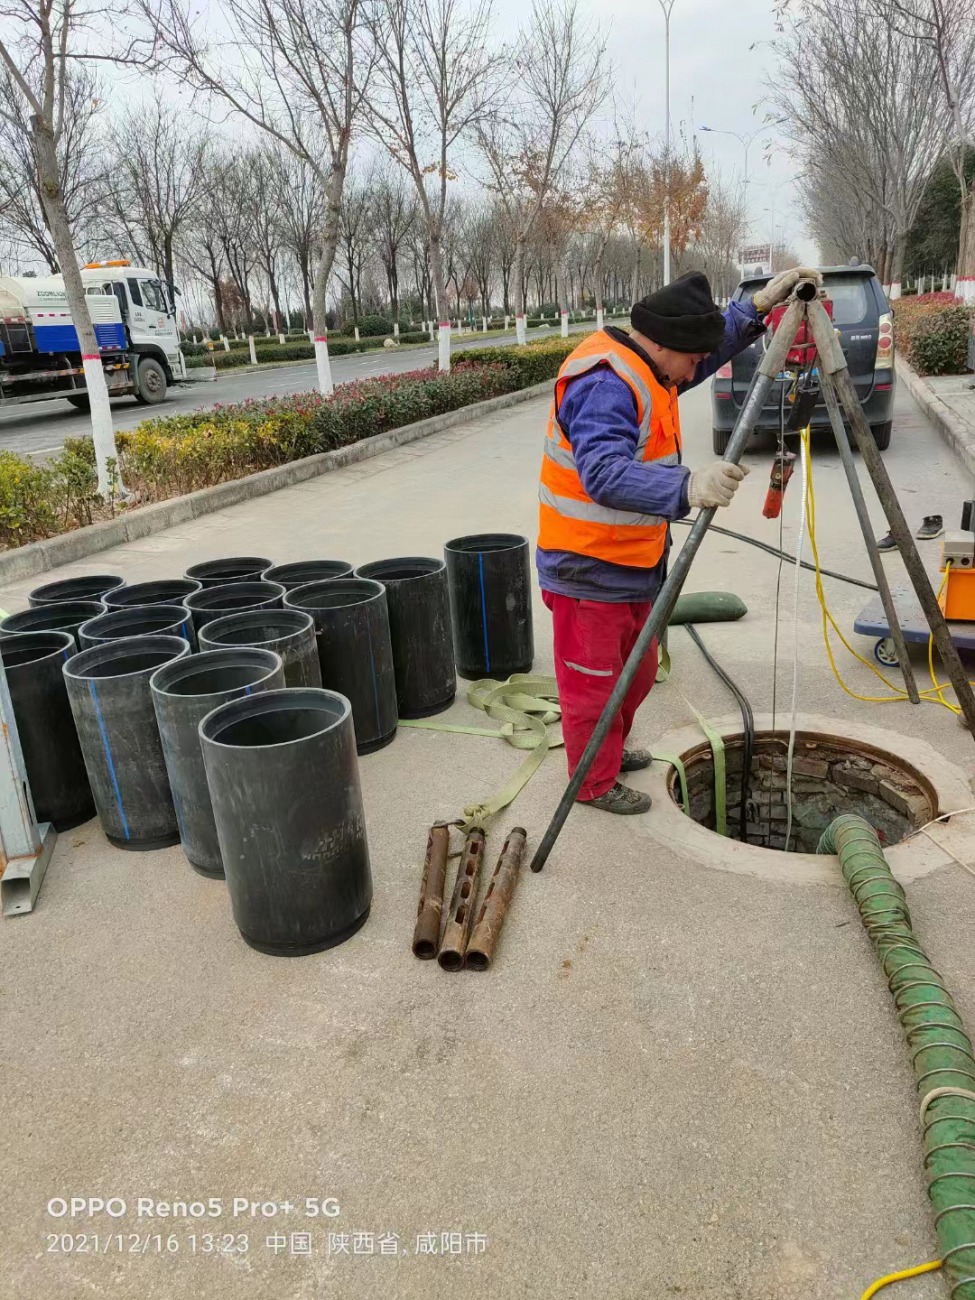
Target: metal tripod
838,390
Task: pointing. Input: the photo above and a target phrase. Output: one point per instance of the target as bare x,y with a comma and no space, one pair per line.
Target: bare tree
435,82
563,78
946,29
866,107
296,69
481,242
301,217
607,186
395,213
355,239
40,41
722,233
156,181
80,157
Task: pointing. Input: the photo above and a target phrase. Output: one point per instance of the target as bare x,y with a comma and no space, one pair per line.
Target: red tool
782,468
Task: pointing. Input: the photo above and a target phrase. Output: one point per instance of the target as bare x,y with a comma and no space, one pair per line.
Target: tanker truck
134,315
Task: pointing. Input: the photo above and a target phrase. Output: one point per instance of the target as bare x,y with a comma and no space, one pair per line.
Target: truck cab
147,307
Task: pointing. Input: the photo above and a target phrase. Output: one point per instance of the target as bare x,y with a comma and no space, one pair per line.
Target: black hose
778,554
747,722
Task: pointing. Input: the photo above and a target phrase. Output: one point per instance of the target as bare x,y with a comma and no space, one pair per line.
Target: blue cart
872,621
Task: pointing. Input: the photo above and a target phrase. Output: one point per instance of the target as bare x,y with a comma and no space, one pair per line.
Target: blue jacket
599,417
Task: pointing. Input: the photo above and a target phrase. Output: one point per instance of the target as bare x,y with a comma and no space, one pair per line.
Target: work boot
621,799
887,543
635,760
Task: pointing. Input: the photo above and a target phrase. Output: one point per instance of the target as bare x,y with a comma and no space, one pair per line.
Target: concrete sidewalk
676,1081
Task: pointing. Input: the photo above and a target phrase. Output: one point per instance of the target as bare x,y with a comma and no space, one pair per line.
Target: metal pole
833,362
667,6
771,364
860,505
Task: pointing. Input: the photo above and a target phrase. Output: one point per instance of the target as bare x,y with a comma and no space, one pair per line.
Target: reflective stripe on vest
569,519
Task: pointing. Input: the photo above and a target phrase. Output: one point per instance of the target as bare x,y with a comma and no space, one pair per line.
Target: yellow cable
902,1276
930,696
939,686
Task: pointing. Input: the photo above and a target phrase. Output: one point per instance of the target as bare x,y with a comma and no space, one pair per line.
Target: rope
526,706
715,740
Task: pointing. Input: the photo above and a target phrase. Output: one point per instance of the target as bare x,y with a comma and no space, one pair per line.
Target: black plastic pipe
233,568
91,586
164,591
231,598
183,693
490,604
63,617
284,782
290,633
301,572
108,687
418,602
355,652
33,663
140,620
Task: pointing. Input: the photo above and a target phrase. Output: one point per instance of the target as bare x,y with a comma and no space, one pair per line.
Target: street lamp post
667,7
745,141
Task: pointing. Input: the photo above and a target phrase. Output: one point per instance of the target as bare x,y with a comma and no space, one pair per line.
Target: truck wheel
719,441
151,382
80,402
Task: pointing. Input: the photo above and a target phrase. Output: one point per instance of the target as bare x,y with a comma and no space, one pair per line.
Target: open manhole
830,776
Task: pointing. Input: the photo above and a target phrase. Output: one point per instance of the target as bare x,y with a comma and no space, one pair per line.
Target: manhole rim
911,859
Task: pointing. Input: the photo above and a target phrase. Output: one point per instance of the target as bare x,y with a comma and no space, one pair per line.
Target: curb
39,557
958,434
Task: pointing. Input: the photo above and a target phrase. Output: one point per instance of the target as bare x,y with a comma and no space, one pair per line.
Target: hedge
171,455
533,363
932,331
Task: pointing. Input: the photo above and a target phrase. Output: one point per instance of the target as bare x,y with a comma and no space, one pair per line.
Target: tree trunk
597,273
518,290
897,264
102,433
443,307
560,294
635,294
965,283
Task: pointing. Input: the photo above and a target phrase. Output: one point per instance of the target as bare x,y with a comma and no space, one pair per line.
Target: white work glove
716,485
782,285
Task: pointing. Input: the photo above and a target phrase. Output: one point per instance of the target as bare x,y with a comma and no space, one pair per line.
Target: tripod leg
856,492
772,363
832,361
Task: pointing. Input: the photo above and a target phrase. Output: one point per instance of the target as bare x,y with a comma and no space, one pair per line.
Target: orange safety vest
569,520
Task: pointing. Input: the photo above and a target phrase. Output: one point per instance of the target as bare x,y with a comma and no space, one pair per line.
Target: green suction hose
941,1051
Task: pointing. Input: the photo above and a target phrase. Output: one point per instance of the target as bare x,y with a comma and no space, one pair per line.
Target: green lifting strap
716,741
526,705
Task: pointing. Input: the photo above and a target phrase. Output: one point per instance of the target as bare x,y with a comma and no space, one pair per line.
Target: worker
611,481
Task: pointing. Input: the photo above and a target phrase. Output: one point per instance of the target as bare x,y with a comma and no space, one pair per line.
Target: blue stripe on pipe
108,757
480,572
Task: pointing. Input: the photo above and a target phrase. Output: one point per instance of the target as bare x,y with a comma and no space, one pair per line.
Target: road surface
39,430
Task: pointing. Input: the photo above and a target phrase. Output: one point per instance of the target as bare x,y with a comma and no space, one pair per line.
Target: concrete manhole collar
897,782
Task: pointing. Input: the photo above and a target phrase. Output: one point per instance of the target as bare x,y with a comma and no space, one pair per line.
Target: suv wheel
719,441
881,434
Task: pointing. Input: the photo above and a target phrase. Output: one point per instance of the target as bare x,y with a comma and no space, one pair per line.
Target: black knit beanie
681,316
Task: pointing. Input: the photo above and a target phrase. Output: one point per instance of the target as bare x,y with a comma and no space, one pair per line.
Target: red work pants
593,640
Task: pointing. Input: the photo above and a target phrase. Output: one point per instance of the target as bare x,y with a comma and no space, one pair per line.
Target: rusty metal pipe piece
497,900
461,918
426,935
